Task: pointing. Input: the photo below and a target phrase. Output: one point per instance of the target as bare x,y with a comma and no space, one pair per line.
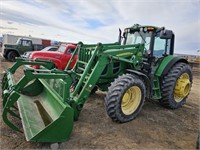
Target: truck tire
11,56
125,98
176,86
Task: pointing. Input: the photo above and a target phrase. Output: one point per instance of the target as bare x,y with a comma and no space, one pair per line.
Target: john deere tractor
139,66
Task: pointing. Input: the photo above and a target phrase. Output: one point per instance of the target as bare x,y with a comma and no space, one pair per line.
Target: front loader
139,66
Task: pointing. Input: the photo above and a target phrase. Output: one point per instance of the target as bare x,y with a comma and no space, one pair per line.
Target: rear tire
176,86
11,56
125,98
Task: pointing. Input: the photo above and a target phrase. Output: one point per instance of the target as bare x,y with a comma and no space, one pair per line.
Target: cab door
162,47
67,56
26,45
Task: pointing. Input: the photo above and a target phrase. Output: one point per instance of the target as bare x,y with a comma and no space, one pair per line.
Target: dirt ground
155,127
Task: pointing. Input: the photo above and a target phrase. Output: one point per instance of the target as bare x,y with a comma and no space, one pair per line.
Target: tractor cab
158,42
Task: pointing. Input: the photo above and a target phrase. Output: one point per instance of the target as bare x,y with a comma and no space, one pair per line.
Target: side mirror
166,34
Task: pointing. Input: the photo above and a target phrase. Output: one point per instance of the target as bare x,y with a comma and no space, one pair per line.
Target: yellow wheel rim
182,87
131,100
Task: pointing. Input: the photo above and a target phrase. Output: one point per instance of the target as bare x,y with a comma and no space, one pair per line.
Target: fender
57,62
167,63
7,50
145,78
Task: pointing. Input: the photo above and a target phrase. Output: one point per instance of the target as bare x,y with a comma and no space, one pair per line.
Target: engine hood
46,54
10,45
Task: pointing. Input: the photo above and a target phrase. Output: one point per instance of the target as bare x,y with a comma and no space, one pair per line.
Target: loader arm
46,94
92,70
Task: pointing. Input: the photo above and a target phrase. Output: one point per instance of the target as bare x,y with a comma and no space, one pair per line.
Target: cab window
26,43
161,46
70,50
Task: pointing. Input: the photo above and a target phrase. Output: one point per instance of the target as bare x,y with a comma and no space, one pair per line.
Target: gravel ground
155,127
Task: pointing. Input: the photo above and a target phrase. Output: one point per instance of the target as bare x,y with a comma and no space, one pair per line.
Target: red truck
60,57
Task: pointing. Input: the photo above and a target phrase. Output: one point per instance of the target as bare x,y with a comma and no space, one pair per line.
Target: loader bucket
44,115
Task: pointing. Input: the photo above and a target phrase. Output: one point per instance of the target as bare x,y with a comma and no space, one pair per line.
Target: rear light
36,67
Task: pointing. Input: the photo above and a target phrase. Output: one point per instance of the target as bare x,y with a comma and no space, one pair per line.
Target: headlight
143,29
127,30
28,55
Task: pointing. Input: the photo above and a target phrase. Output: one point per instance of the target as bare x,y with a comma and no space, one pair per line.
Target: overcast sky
93,21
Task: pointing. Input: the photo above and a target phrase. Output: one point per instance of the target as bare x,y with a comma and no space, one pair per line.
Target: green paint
50,100
163,65
46,95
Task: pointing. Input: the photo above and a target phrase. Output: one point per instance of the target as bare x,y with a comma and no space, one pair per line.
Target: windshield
61,49
138,37
18,42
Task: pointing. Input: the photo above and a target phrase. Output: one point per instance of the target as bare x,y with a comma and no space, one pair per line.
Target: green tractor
139,66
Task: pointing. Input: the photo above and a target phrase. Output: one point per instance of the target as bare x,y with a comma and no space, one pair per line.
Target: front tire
176,86
125,98
11,56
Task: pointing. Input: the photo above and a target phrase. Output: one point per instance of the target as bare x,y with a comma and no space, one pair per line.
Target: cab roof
138,26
